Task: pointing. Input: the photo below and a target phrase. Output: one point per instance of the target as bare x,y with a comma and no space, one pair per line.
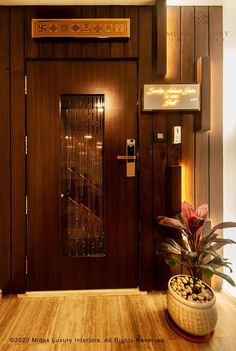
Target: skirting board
65,293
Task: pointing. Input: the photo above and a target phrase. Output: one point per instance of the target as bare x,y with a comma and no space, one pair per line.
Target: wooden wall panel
60,49
187,76
75,46
31,46
173,44
216,135
201,144
191,32
117,46
203,122
4,151
188,135
159,198
145,149
103,45
47,48
89,47
159,37
18,228
172,153
131,45
173,76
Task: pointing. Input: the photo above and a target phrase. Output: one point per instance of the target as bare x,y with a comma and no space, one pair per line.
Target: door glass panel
82,186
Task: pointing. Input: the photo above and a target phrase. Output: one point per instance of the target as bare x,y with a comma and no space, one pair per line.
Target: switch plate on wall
177,135
159,136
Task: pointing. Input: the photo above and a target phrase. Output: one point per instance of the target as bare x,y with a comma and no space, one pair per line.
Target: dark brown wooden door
70,260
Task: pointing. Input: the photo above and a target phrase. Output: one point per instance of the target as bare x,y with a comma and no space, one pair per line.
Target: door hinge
139,226
26,145
26,85
26,205
26,265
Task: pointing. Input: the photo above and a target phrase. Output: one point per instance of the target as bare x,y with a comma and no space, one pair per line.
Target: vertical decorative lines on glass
82,185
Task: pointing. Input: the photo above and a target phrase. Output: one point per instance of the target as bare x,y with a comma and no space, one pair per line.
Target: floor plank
119,322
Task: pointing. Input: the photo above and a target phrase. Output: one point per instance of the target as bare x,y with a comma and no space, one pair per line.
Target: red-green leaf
202,211
170,222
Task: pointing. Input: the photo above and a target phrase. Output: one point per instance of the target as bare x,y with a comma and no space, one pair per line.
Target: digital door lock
130,157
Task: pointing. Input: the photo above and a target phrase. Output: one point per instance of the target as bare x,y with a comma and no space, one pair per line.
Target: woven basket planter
194,318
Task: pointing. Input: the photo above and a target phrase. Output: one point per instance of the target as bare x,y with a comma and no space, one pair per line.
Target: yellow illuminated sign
171,97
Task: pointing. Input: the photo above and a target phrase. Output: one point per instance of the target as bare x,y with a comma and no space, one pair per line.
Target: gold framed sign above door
81,28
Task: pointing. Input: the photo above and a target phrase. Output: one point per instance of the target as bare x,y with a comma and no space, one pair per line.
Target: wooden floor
108,318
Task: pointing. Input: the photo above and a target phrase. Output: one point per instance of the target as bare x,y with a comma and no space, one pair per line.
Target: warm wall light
187,183
88,137
183,183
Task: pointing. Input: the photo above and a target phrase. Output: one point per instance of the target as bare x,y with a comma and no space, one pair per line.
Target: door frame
18,181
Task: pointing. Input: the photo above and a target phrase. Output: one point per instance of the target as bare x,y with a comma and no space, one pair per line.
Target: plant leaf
221,225
226,277
173,261
227,241
218,245
192,254
209,271
202,211
171,222
186,242
208,239
173,243
168,248
211,253
216,263
216,266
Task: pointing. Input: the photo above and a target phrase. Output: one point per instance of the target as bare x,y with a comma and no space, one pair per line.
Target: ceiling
109,2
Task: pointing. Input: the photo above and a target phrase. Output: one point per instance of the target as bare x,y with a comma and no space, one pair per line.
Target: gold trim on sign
81,28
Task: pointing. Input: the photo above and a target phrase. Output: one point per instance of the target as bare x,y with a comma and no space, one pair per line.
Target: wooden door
64,97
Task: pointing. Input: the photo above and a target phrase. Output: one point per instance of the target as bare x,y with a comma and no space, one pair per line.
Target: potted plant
190,301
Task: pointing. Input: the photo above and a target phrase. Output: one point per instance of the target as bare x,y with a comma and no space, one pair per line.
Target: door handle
130,157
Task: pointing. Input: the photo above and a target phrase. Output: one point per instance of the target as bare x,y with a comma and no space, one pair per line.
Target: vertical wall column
18,228
4,151
146,162
159,37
